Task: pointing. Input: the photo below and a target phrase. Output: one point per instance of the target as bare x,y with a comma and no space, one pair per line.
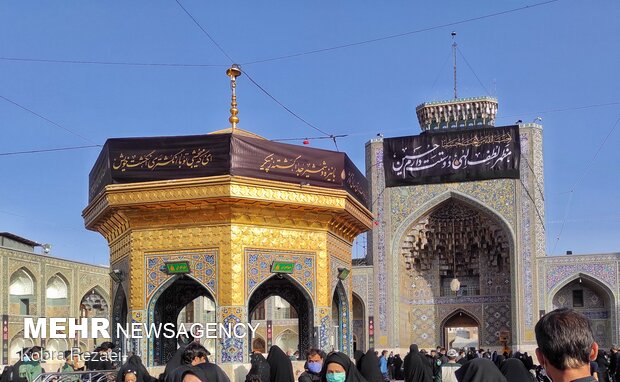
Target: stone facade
409,299
36,285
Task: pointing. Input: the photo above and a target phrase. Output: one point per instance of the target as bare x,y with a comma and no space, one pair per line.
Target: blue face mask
315,367
336,377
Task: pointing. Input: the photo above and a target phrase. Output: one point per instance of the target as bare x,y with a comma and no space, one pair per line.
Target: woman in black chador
369,367
417,369
347,372
280,366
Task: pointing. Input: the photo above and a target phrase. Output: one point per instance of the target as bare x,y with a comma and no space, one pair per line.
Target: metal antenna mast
454,60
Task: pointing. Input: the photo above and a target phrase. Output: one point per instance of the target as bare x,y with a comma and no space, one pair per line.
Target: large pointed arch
458,314
599,284
428,208
297,296
164,307
22,292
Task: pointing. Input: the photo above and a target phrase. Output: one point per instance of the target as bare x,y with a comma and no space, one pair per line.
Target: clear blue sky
562,55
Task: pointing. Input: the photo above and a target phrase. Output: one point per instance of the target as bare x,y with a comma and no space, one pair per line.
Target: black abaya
479,370
416,367
515,371
369,367
280,366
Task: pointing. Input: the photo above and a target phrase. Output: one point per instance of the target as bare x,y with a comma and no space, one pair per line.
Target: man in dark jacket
315,359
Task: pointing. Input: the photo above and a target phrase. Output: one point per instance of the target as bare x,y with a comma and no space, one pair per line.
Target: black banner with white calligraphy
263,159
128,160
132,160
457,156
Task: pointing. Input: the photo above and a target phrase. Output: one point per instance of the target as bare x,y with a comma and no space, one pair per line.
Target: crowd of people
566,352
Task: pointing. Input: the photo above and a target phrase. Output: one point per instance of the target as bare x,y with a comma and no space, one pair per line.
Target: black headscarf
357,356
499,360
280,366
134,364
353,375
180,372
515,371
260,367
369,367
213,371
479,370
174,362
416,367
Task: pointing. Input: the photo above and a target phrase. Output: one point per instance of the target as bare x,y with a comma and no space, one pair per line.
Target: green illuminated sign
282,267
176,267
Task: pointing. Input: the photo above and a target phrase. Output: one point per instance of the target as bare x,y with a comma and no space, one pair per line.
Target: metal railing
78,376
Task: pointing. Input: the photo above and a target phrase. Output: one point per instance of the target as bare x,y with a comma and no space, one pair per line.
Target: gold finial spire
233,72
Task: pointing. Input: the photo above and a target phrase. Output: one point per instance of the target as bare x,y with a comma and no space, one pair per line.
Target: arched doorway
590,297
119,317
289,291
17,343
93,304
359,320
456,249
460,330
22,289
57,297
178,295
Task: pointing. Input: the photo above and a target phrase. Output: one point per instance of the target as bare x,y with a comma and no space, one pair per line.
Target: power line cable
562,109
310,138
397,35
114,63
584,172
48,150
282,57
205,32
48,120
221,49
283,105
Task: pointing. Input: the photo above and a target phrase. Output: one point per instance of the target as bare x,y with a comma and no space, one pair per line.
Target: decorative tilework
381,265
202,265
423,326
497,194
258,263
232,348
324,329
526,243
496,320
601,271
457,300
344,330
